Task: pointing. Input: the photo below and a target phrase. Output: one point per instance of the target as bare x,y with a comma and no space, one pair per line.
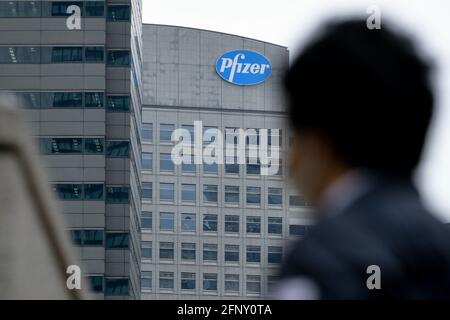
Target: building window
166,280
87,237
119,13
210,193
146,280
253,167
166,251
210,223
93,146
119,58
116,287
297,230
59,9
68,191
29,100
117,195
191,131
232,224
146,249
61,145
188,192
275,196
147,131
254,195
210,168
67,54
232,283
231,165
62,100
147,191
188,251
93,192
166,221
147,161
94,8
209,252
254,225
188,222
17,55
166,192
95,283
271,282
210,281
190,167
165,163
232,194
117,240
16,9
274,254
119,103
117,149
94,54
253,254
231,253
298,201
187,281
147,220
165,132
253,284
275,225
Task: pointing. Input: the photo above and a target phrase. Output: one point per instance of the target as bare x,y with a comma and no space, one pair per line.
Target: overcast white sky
290,22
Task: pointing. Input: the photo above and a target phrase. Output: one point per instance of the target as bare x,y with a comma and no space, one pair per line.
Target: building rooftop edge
219,32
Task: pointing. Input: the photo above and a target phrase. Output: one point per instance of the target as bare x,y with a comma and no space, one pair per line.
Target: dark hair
367,91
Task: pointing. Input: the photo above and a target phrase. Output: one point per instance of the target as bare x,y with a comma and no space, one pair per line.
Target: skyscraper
76,68
211,230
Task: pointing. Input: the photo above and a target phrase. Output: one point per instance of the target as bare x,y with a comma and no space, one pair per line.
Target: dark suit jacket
388,227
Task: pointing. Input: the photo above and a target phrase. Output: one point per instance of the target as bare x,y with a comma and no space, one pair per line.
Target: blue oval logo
243,67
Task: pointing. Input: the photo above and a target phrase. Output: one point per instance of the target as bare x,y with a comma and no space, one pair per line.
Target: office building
76,67
211,230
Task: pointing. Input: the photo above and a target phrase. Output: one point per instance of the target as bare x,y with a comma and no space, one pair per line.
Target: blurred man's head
358,98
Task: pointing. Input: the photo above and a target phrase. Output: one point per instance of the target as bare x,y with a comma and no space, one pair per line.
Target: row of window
55,146
210,195
210,252
97,238
210,133
72,100
166,165
231,224
92,192
36,9
46,55
231,282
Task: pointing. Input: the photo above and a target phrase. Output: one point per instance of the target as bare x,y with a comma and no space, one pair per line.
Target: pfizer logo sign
243,67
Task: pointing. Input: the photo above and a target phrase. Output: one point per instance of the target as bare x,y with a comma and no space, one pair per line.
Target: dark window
117,149
119,58
187,281
93,145
61,100
67,54
146,249
94,54
117,194
147,160
231,223
210,223
12,9
119,103
16,55
147,190
275,225
59,9
147,220
188,251
94,99
253,224
253,254
253,195
274,254
77,237
209,252
166,250
116,287
210,281
93,191
117,240
93,237
94,9
95,283
68,191
61,145
253,168
119,13
297,230
231,253
275,196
